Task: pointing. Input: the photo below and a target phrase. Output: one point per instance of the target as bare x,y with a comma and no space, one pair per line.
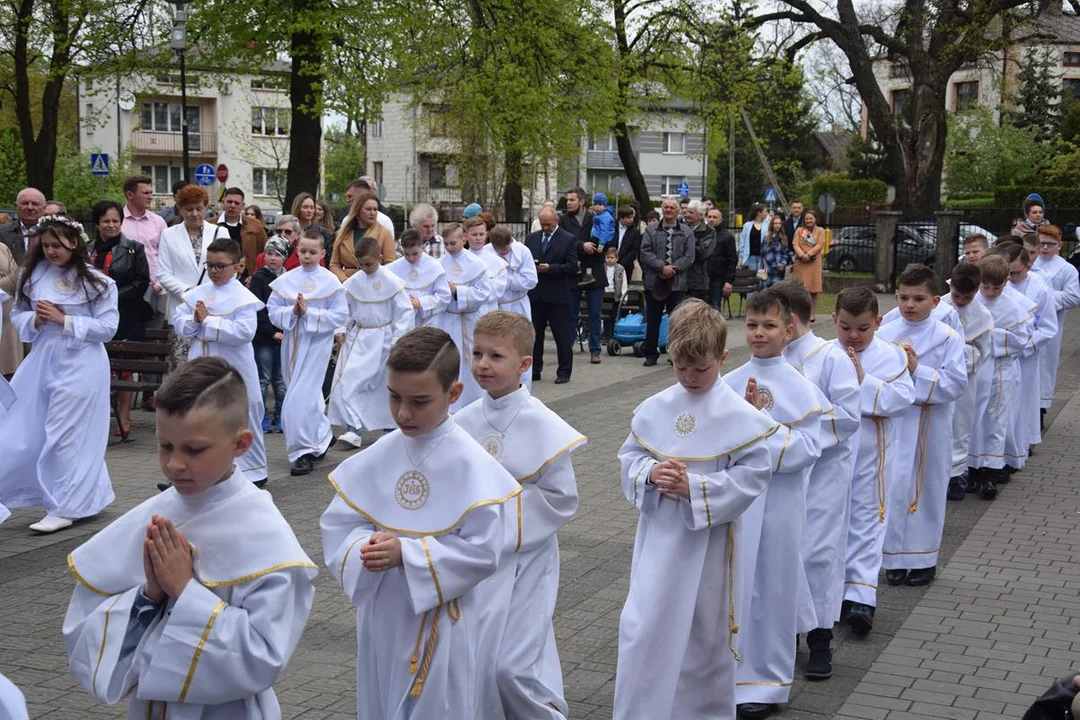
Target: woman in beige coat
363,221
11,350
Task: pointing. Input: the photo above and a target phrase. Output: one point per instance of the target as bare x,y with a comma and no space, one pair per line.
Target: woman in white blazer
182,256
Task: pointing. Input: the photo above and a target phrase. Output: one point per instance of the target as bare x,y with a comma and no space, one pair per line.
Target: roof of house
835,144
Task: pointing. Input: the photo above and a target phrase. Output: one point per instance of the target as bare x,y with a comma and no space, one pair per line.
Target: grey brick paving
979,643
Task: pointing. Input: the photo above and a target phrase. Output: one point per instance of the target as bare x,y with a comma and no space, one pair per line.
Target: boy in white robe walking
977,323
194,633
886,392
534,445
424,277
308,304
915,505
470,291
476,236
1062,278
827,493
696,458
410,543
521,277
221,317
772,526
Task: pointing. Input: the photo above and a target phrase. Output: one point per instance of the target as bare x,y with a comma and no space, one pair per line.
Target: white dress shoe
50,524
351,439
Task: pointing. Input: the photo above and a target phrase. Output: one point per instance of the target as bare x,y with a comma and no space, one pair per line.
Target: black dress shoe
988,489
303,465
561,380
260,483
895,577
974,480
845,609
819,666
957,488
920,577
333,442
754,711
164,486
861,618
649,362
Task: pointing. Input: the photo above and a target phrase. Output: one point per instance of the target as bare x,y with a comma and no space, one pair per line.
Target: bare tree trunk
512,192
305,95
40,149
631,167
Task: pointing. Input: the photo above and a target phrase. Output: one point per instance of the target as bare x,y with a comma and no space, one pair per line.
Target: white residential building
240,121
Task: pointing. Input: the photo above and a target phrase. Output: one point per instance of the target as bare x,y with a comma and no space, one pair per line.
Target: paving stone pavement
979,643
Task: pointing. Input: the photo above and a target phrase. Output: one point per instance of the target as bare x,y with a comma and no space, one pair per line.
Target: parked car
853,249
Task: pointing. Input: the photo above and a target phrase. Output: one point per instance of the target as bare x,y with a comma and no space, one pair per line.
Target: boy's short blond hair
994,270
697,332
506,324
977,238
500,237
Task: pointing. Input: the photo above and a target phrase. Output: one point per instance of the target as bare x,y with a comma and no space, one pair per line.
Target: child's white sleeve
236,329
886,397
636,465
437,301
318,320
723,495
796,446
522,279
22,319
471,297
94,630
344,532
183,321
99,327
404,316
546,503
280,311
211,652
947,382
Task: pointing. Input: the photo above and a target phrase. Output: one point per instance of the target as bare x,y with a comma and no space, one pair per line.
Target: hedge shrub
849,192
1012,196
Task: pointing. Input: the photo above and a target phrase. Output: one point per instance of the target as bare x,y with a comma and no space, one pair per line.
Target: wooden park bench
149,358
746,282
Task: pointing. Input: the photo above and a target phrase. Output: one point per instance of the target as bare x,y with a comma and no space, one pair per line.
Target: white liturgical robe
498,276
227,333
677,631
534,445
944,312
772,529
305,352
424,280
7,395
915,503
998,381
55,435
521,277
380,313
885,393
1025,426
977,323
825,535
472,297
214,653
1062,278
418,625
12,702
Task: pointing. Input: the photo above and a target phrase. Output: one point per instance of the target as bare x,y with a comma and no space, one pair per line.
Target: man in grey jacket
697,282
667,254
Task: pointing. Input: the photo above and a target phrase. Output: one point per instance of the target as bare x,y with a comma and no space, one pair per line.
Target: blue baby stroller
630,326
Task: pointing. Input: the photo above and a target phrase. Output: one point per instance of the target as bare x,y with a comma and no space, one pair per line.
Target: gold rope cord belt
733,627
453,611
879,428
922,441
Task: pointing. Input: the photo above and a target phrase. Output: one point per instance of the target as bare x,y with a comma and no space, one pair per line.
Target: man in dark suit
555,252
724,261
30,205
794,219
578,221
627,239
667,253
248,232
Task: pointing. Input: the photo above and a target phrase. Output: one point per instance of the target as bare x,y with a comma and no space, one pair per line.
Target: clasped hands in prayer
167,560
381,552
670,478
45,311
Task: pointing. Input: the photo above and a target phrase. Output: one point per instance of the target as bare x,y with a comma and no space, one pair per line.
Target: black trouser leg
540,321
559,318
654,311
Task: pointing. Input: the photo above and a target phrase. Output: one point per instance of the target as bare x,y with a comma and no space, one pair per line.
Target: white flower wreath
66,221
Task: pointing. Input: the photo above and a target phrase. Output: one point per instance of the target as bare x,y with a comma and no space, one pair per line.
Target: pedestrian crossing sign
99,164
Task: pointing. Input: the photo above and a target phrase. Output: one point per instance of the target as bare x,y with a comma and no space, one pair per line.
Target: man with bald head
555,253
29,205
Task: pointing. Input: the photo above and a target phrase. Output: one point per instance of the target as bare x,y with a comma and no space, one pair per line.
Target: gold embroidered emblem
63,285
766,397
309,286
414,274
685,424
906,342
209,297
457,269
377,285
412,490
493,443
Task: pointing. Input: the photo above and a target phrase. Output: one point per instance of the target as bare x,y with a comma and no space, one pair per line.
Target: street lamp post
178,41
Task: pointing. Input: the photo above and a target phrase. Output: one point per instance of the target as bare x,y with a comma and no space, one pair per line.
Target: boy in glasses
1065,285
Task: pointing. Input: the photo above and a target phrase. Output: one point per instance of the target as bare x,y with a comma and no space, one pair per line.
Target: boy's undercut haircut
451,229
506,324
313,234
797,298
423,349
918,275
500,237
411,238
1031,239
1012,251
205,382
977,238
1004,239
368,247
472,222
857,300
994,270
965,278
227,246
697,332
762,302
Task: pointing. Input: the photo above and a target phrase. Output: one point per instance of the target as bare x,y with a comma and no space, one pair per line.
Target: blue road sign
770,196
99,164
684,189
205,175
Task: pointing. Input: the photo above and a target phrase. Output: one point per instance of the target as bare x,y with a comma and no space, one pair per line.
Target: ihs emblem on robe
377,285
905,343
63,285
412,490
413,274
685,424
493,443
456,269
209,297
309,286
766,397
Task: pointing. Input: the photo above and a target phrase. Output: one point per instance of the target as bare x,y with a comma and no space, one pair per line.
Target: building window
609,181
163,176
674,143
270,121
438,120
1071,87
377,172
898,70
901,102
967,95
165,117
265,181
89,117
376,128
671,184
442,175
1070,59
606,143
270,82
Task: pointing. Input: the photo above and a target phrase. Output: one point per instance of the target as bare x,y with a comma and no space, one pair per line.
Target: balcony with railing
603,159
172,143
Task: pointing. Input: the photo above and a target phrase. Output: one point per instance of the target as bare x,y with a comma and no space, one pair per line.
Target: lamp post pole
178,40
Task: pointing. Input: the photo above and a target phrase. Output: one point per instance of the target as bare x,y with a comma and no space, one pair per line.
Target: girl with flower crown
56,433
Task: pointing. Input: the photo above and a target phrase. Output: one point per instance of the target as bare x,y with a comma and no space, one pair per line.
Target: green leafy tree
343,160
77,188
1038,95
983,155
866,159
